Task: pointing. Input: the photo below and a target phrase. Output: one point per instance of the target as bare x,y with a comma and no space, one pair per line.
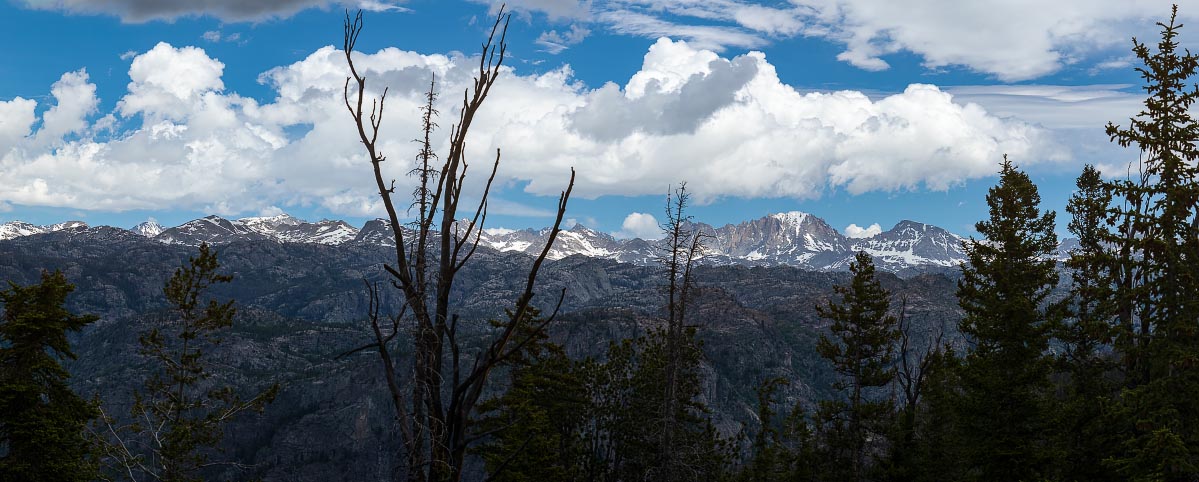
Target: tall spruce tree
1004,378
1158,211
862,353
1090,274
42,422
1084,437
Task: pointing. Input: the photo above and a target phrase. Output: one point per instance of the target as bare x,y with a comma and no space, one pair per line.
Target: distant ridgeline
786,239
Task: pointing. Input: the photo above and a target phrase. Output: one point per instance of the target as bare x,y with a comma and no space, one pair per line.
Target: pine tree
1158,216
680,353
696,451
536,426
678,443
181,415
1008,321
782,450
862,353
1091,281
1084,437
42,422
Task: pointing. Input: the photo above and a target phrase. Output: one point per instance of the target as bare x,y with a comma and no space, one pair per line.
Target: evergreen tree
677,442
936,452
629,391
536,426
180,417
42,422
1084,437
862,353
1004,379
611,425
1158,333
782,450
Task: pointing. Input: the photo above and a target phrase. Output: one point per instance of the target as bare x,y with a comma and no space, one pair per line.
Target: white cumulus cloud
730,126
640,225
855,231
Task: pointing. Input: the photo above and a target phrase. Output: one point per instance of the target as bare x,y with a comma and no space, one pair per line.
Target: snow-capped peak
16,229
791,218
282,228
268,225
149,228
66,225
791,238
911,244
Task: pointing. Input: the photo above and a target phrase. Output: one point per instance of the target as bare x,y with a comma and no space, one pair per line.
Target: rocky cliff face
302,304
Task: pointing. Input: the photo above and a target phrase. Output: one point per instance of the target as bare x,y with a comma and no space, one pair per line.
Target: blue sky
861,112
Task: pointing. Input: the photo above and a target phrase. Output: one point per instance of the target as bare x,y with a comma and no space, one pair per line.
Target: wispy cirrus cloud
1012,40
555,42
137,11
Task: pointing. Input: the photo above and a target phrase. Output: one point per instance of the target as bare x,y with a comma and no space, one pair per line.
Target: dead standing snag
436,413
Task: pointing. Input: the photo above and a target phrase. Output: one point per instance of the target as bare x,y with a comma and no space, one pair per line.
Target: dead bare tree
684,245
912,376
436,414
914,367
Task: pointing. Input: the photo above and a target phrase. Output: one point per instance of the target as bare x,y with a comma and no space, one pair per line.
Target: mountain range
785,239
301,305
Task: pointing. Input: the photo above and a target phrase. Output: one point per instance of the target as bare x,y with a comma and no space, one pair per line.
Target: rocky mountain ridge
784,239
301,305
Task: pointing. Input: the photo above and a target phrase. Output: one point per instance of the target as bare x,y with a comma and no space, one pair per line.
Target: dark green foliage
635,416
862,352
649,389
537,423
1083,437
42,422
915,370
1158,306
1091,289
627,418
178,420
936,453
782,450
1004,391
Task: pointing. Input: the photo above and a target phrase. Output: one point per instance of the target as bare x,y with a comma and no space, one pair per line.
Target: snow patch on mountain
16,229
791,239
